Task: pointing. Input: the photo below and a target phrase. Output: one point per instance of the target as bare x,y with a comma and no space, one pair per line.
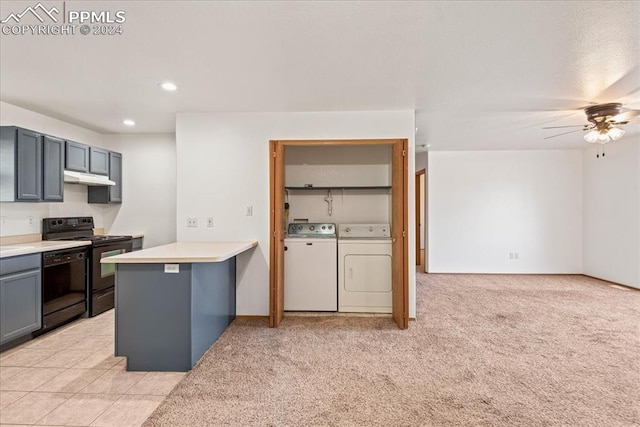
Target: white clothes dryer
364,268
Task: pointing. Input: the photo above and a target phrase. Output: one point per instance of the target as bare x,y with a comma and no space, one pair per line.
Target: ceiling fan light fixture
603,138
615,133
592,136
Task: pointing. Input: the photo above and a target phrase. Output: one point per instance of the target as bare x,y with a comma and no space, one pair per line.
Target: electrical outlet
210,221
192,222
30,220
249,211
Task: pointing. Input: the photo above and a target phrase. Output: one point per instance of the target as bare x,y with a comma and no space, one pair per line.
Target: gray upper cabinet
32,166
109,194
20,296
98,161
77,157
53,169
28,166
115,174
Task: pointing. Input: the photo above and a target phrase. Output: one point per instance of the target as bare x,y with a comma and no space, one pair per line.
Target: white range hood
86,178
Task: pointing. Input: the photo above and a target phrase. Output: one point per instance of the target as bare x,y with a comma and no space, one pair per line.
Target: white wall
223,166
349,206
421,163
339,166
612,213
421,160
16,116
26,218
485,205
148,187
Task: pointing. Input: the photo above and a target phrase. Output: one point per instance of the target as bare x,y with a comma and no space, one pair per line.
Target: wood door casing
399,224
399,236
276,294
418,189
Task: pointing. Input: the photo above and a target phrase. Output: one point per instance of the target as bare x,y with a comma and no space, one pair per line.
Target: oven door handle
108,294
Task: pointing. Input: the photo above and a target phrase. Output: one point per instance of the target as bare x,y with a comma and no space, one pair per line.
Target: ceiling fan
604,121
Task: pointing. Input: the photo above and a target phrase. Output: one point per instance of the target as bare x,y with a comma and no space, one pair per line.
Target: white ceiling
480,75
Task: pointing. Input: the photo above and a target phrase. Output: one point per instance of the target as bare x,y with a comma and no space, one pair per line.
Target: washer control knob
300,227
313,227
324,227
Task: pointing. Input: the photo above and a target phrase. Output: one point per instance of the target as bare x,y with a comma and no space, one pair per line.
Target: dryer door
367,273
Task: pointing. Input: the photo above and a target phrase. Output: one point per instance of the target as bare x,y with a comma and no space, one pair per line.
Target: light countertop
183,252
40,246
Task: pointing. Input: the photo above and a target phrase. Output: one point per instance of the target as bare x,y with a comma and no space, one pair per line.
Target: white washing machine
310,264
364,268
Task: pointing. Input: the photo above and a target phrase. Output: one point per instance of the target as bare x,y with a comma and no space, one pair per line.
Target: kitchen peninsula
173,302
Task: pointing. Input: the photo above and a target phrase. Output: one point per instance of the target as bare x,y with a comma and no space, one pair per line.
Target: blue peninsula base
166,321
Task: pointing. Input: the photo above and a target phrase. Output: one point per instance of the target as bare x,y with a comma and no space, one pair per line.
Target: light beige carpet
486,350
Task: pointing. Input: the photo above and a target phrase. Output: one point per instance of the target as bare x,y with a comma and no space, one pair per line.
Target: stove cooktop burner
76,228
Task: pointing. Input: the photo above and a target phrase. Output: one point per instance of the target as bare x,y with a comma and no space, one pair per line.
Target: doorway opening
399,223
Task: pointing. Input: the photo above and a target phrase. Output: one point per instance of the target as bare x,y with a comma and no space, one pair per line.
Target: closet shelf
343,187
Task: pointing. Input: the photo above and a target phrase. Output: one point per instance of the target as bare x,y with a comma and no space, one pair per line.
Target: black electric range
100,277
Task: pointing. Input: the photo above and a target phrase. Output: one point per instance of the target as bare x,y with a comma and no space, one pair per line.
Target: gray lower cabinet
53,169
20,296
98,161
77,157
109,194
201,300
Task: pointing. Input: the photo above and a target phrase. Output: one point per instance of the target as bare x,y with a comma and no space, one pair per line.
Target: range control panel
311,229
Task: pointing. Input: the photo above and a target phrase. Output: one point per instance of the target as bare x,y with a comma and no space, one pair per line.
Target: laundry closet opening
339,227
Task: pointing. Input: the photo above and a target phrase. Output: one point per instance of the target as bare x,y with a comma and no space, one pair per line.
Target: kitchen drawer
19,263
102,301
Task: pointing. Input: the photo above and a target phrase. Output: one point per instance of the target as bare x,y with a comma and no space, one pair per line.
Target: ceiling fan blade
558,127
560,134
623,117
547,104
626,85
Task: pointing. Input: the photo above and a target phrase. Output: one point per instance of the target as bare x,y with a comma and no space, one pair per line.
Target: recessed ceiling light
128,122
428,145
169,87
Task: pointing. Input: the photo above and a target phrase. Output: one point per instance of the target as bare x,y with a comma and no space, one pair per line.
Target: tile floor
70,377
